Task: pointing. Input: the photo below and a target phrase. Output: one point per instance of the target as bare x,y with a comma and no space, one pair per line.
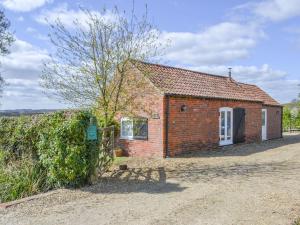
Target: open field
246,184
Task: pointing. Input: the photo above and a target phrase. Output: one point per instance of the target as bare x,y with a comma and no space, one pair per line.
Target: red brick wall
273,122
198,127
147,101
154,146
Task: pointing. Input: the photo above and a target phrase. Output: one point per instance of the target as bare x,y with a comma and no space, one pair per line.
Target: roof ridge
188,82
248,84
177,68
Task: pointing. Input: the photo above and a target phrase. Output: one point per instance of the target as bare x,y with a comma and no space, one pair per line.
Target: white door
226,121
264,124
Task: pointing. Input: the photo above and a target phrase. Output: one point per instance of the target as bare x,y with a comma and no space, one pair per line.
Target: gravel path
246,184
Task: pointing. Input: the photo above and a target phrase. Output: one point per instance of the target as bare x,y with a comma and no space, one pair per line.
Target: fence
292,130
106,145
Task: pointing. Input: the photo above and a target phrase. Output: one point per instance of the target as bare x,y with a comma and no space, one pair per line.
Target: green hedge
19,136
21,179
291,119
52,146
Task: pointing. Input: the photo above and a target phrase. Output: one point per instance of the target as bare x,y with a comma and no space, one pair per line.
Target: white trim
264,129
226,141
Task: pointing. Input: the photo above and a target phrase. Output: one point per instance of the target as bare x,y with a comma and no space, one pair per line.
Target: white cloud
284,90
248,74
25,60
67,16
277,10
24,5
210,48
270,10
274,82
217,44
21,70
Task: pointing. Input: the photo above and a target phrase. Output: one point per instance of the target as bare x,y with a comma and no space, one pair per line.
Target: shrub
101,122
21,179
64,149
47,151
19,136
291,119
297,222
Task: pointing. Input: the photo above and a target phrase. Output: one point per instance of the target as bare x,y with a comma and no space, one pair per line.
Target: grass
120,160
297,222
21,179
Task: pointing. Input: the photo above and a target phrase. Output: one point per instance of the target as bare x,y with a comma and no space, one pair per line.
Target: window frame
133,137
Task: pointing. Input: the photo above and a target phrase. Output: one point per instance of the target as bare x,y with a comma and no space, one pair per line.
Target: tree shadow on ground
135,180
154,180
244,149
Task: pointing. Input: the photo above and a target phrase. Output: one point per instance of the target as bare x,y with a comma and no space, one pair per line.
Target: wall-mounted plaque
155,116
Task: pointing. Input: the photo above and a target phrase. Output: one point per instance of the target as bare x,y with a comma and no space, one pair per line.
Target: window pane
222,125
228,125
126,128
263,115
140,128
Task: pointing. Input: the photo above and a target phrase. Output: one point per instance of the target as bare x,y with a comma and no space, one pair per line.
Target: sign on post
92,131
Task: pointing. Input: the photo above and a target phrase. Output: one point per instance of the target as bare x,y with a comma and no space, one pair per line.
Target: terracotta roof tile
171,80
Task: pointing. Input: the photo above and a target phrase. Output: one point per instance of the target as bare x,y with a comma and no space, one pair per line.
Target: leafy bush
101,122
19,136
64,149
291,119
38,153
297,222
21,179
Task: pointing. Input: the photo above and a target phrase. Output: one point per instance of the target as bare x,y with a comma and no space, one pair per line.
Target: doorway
264,124
226,121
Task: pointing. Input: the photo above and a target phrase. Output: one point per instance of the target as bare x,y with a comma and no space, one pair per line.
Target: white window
134,128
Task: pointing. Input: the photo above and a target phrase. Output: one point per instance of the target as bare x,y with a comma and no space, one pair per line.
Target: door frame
226,142
264,129
239,125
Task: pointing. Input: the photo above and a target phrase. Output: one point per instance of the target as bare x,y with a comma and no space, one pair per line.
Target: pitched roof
176,81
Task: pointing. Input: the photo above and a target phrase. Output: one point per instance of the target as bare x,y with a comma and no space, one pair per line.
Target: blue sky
260,40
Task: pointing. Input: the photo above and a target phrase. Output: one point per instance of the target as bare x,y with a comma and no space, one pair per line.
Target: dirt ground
246,184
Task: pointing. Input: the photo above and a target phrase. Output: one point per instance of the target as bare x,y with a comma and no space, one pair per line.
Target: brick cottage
193,111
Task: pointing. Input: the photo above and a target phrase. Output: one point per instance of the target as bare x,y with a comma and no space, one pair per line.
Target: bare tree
92,59
6,38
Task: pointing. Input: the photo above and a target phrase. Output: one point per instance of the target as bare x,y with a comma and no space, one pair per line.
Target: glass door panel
226,126
222,125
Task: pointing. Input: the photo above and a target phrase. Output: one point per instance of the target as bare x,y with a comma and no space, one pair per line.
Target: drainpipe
167,112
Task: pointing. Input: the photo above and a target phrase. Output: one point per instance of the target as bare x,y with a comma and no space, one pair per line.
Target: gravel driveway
246,184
